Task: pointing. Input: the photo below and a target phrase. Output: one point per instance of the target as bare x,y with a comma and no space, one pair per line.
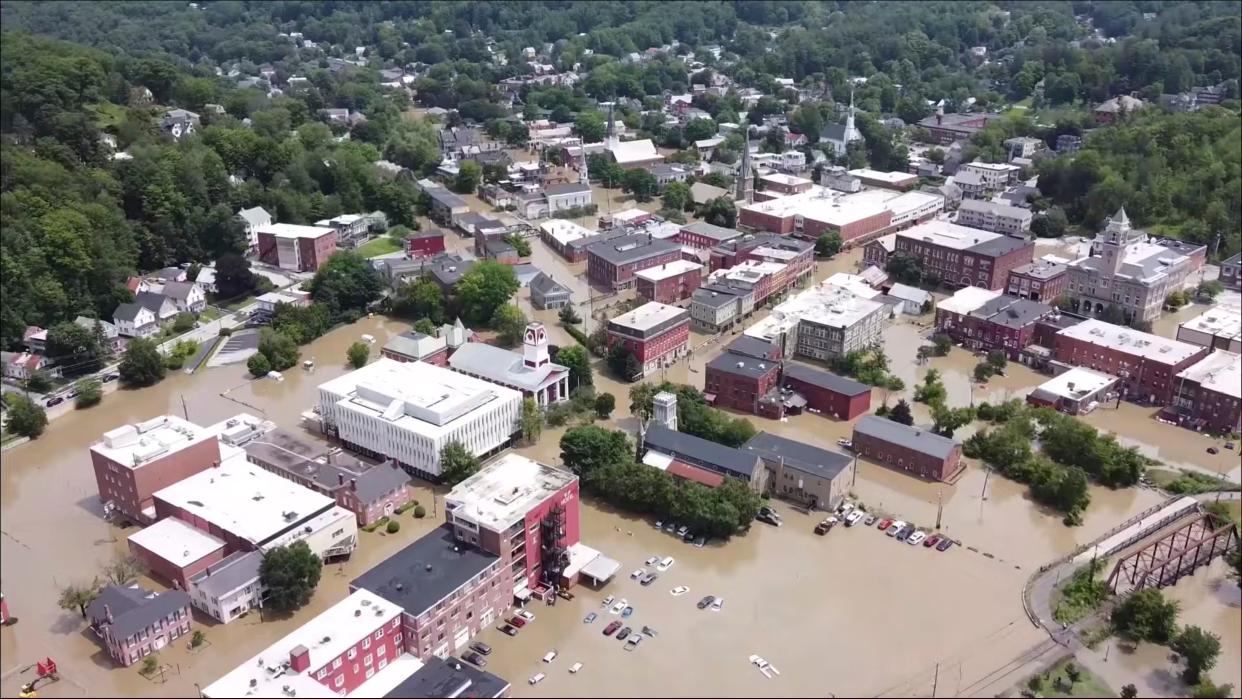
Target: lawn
1056,683
107,114
1187,482
382,245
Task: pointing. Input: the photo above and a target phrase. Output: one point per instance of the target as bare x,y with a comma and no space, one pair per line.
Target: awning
601,569
711,397
522,592
580,555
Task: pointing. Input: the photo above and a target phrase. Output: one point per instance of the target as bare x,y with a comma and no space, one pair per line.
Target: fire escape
552,549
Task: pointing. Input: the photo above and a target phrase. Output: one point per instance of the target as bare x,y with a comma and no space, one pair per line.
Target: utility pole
936,680
939,507
854,476
184,411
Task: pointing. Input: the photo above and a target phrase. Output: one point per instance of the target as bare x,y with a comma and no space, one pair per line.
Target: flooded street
851,613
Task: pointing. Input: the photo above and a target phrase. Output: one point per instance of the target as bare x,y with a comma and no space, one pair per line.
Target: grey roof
449,678
546,286
996,208
701,192
700,452
749,346
178,290
920,439
824,379
804,457
719,233
501,366
89,323
902,292
420,575
1000,246
566,188
743,365
1041,269
133,608
716,295
1237,257
429,233
665,169
237,569
149,300
288,453
449,269
1012,312
968,177
407,343
446,198
631,248
255,216
499,248
127,312
833,132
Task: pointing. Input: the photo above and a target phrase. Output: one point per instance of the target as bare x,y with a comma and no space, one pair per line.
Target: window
353,653
323,672
367,660
336,663
381,652
366,643
340,680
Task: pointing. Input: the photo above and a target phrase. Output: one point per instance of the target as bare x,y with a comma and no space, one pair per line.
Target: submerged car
623,633
590,618
706,601
611,628
944,545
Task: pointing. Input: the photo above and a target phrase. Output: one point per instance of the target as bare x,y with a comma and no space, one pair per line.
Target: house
135,320
350,228
546,293
112,340
35,338
254,218
567,196
910,300
665,173
694,458
413,346
1117,108
701,193
179,122
1231,272
159,304
23,365
133,623
188,297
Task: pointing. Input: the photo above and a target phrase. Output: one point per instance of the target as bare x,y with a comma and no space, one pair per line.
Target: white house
134,320
159,304
255,219
188,297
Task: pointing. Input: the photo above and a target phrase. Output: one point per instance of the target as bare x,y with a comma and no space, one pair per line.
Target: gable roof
151,301
179,290
700,452
920,439
544,285
501,366
128,312
824,379
804,457
133,608
256,216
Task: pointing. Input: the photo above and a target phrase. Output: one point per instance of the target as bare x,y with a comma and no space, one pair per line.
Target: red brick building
1147,364
425,243
1038,281
961,256
984,320
132,462
657,334
670,282
704,235
175,551
1209,394
613,263
739,382
413,346
827,393
915,450
296,248
781,183
765,247
133,623
855,217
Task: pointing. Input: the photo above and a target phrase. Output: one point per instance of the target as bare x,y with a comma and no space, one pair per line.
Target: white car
894,528
632,642
573,669
607,601
679,591
665,564
916,538
526,615
537,678
845,509
854,518
717,604
616,608
637,574
550,656
653,560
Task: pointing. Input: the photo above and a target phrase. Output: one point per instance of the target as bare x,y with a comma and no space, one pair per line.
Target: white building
823,322
994,216
230,588
255,218
134,320
349,228
567,196
532,372
838,137
1218,328
410,411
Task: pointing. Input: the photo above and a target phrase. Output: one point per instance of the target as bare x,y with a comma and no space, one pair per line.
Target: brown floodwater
888,612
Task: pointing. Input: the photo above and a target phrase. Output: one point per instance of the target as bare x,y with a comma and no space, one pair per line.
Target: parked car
549,656
648,579
706,602
652,560
945,544
111,377
1213,450
905,532
618,606
590,618
770,518
632,642
526,614
518,621
607,601
611,628
625,613
637,574
649,631
845,443
854,518
670,527
845,509
717,604
537,678
659,524
665,564
884,523
896,528
687,537
474,659
916,538
55,400
565,595
682,530
679,591
870,520
931,540
573,669
623,633
481,648
822,528
508,630
700,542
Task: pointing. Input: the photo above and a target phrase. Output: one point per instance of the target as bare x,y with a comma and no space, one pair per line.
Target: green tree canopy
486,287
290,575
24,417
346,284
457,463
141,365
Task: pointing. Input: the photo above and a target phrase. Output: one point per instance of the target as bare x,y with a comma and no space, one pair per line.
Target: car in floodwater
481,648
590,618
508,630
895,528
931,540
475,659
945,544
916,538
611,628
623,633
706,601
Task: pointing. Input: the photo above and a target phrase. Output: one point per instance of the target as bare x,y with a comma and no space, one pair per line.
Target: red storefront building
915,450
670,282
827,393
1209,394
1038,281
1147,364
296,248
957,255
701,235
738,381
613,263
425,243
657,334
984,320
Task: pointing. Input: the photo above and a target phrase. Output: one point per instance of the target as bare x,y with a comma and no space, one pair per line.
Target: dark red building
798,254
1147,364
613,263
424,243
297,248
657,334
827,393
705,235
739,382
987,320
1038,281
670,282
915,450
961,256
1209,394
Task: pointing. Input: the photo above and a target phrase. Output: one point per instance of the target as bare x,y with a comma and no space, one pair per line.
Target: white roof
1085,382
948,235
255,216
289,230
890,177
1220,321
994,167
503,491
176,542
635,151
747,271
709,142
826,304
888,242
967,299
668,269
1131,341
138,444
854,283
245,500
826,205
908,293
784,179
628,215
1220,371
326,637
416,396
565,232
648,315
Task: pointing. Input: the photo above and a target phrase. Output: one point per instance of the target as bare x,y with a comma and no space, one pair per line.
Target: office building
1209,394
1147,364
657,334
296,248
822,323
908,448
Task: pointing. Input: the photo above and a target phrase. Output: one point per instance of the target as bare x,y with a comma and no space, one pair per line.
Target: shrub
419,512
183,323
393,527
225,332
90,392
258,365
197,639
149,665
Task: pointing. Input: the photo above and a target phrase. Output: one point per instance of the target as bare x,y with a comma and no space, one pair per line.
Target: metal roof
824,379
700,452
804,457
920,439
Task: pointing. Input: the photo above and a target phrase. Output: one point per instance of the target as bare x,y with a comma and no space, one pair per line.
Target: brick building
959,256
986,320
947,128
855,217
738,381
133,623
1220,327
764,247
827,393
296,248
803,473
897,181
1209,394
425,243
657,334
135,461
175,551
780,183
701,235
1147,364
613,263
1038,281
823,322
663,447
413,346
908,448
670,282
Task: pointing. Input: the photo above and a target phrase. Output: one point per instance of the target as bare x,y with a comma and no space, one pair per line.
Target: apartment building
1147,364
657,334
994,216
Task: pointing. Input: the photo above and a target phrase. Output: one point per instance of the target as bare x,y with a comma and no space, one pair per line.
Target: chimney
299,658
340,479
939,118
353,484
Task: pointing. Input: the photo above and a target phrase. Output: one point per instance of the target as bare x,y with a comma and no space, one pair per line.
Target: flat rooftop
772,253
1041,269
648,316
880,176
140,443
1220,371
241,498
289,230
854,283
421,575
828,305
1131,341
176,542
831,207
948,235
565,232
503,491
1084,382
418,396
749,271
325,637
787,180
1220,321
439,678
668,269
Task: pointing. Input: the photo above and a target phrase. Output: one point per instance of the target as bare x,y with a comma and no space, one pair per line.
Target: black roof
804,457
631,248
449,678
824,379
833,132
743,365
1012,312
753,347
425,572
133,608
715,295
1000,246
700,452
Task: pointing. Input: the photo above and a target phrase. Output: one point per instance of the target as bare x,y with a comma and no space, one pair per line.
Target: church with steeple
838,137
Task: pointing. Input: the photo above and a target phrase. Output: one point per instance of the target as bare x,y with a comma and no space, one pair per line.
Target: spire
584,177
1120,217
745,178
851,132
611,137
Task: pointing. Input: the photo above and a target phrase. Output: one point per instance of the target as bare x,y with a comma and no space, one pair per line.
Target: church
532,372
838,137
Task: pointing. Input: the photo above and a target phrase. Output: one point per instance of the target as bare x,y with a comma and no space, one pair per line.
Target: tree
1200,649
1210,289
290,575
122,569
233,276
604,405
420,299
720,212
39,383
1050,224
531,420
25,417
468,176
1207,690
932,390
807,120
487,286
520,244
90,392
591,449
1129,691
984,371
346,284
510,322
623,363
901,413
942,344
575,359
141,365
590,126
78,596
358,354
676,196
828,244
419,512
183,323
641,183
568,316
905,268
77,349
1146,616
258,366
698,130
425,326
457,463
280,350
1072,673
946,420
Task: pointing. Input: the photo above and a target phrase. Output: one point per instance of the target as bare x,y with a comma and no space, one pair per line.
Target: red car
518,621
612,628
883,524
931,540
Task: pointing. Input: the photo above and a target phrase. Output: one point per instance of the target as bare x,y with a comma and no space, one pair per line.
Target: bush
358,354
225,332
393,527
197,639
184,323
405,508
150,664
258,365
1146,616
90,392
578,335
419,512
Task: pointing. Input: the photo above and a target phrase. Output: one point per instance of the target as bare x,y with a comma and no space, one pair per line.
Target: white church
532,372
838,137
